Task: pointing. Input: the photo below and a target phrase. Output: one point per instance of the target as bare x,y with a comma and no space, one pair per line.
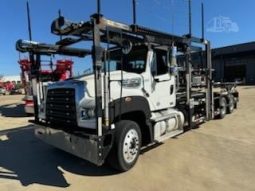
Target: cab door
163,84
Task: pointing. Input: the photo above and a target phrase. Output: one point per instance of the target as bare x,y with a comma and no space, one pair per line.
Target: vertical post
190,19
106,90
203,21
209,92
29,22
98,7
35,65
107,81
59,15
31,55
134,12
172,16
190,101
97,66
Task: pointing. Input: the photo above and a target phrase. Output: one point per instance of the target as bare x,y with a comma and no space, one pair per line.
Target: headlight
87,108
87,113
131,83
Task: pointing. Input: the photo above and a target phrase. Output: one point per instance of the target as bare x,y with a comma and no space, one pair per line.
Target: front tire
231,104
127,145
223,107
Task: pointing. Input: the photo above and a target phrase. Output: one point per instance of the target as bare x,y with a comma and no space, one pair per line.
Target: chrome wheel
126,145
131,146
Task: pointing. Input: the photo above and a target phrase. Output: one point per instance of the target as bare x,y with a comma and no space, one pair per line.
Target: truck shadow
28,160
12,110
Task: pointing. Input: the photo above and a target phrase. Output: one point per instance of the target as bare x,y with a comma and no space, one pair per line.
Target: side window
159,63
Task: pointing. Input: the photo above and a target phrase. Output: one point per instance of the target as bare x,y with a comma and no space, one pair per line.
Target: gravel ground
219,155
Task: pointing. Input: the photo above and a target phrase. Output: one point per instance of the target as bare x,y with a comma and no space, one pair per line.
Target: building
235,63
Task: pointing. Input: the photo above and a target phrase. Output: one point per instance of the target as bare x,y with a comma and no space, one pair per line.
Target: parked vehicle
2,91
139,94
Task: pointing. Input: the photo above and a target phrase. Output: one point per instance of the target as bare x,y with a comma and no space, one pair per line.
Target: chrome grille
60,107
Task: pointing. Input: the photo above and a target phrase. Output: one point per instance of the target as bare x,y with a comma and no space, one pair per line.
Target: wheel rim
131,146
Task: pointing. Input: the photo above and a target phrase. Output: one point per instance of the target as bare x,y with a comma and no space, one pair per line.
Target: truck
146,87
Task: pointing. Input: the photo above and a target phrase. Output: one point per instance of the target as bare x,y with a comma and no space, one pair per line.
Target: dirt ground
220,155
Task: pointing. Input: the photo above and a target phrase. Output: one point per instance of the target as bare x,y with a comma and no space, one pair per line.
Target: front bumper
88,147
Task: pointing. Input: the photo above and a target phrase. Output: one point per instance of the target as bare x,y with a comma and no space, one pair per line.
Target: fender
134,108
129,104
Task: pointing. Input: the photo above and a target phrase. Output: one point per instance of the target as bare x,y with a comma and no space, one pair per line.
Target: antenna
190,19
134,12
29,22
203,21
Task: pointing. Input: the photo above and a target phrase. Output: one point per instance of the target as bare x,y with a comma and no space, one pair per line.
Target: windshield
134,62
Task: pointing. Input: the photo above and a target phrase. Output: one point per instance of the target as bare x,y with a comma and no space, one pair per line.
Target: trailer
145,88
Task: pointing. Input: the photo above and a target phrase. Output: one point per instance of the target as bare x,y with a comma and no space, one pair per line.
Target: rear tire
223,107
126,146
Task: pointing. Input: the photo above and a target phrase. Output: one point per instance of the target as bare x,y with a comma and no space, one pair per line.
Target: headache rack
105,35
100,31
194,79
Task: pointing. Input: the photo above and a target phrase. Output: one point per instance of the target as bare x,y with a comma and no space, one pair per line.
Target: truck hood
114,76
89,85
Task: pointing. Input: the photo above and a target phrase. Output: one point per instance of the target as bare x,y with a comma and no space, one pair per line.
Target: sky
227,22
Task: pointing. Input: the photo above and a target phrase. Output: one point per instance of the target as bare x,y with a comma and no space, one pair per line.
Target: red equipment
9,86
25,73
62,71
